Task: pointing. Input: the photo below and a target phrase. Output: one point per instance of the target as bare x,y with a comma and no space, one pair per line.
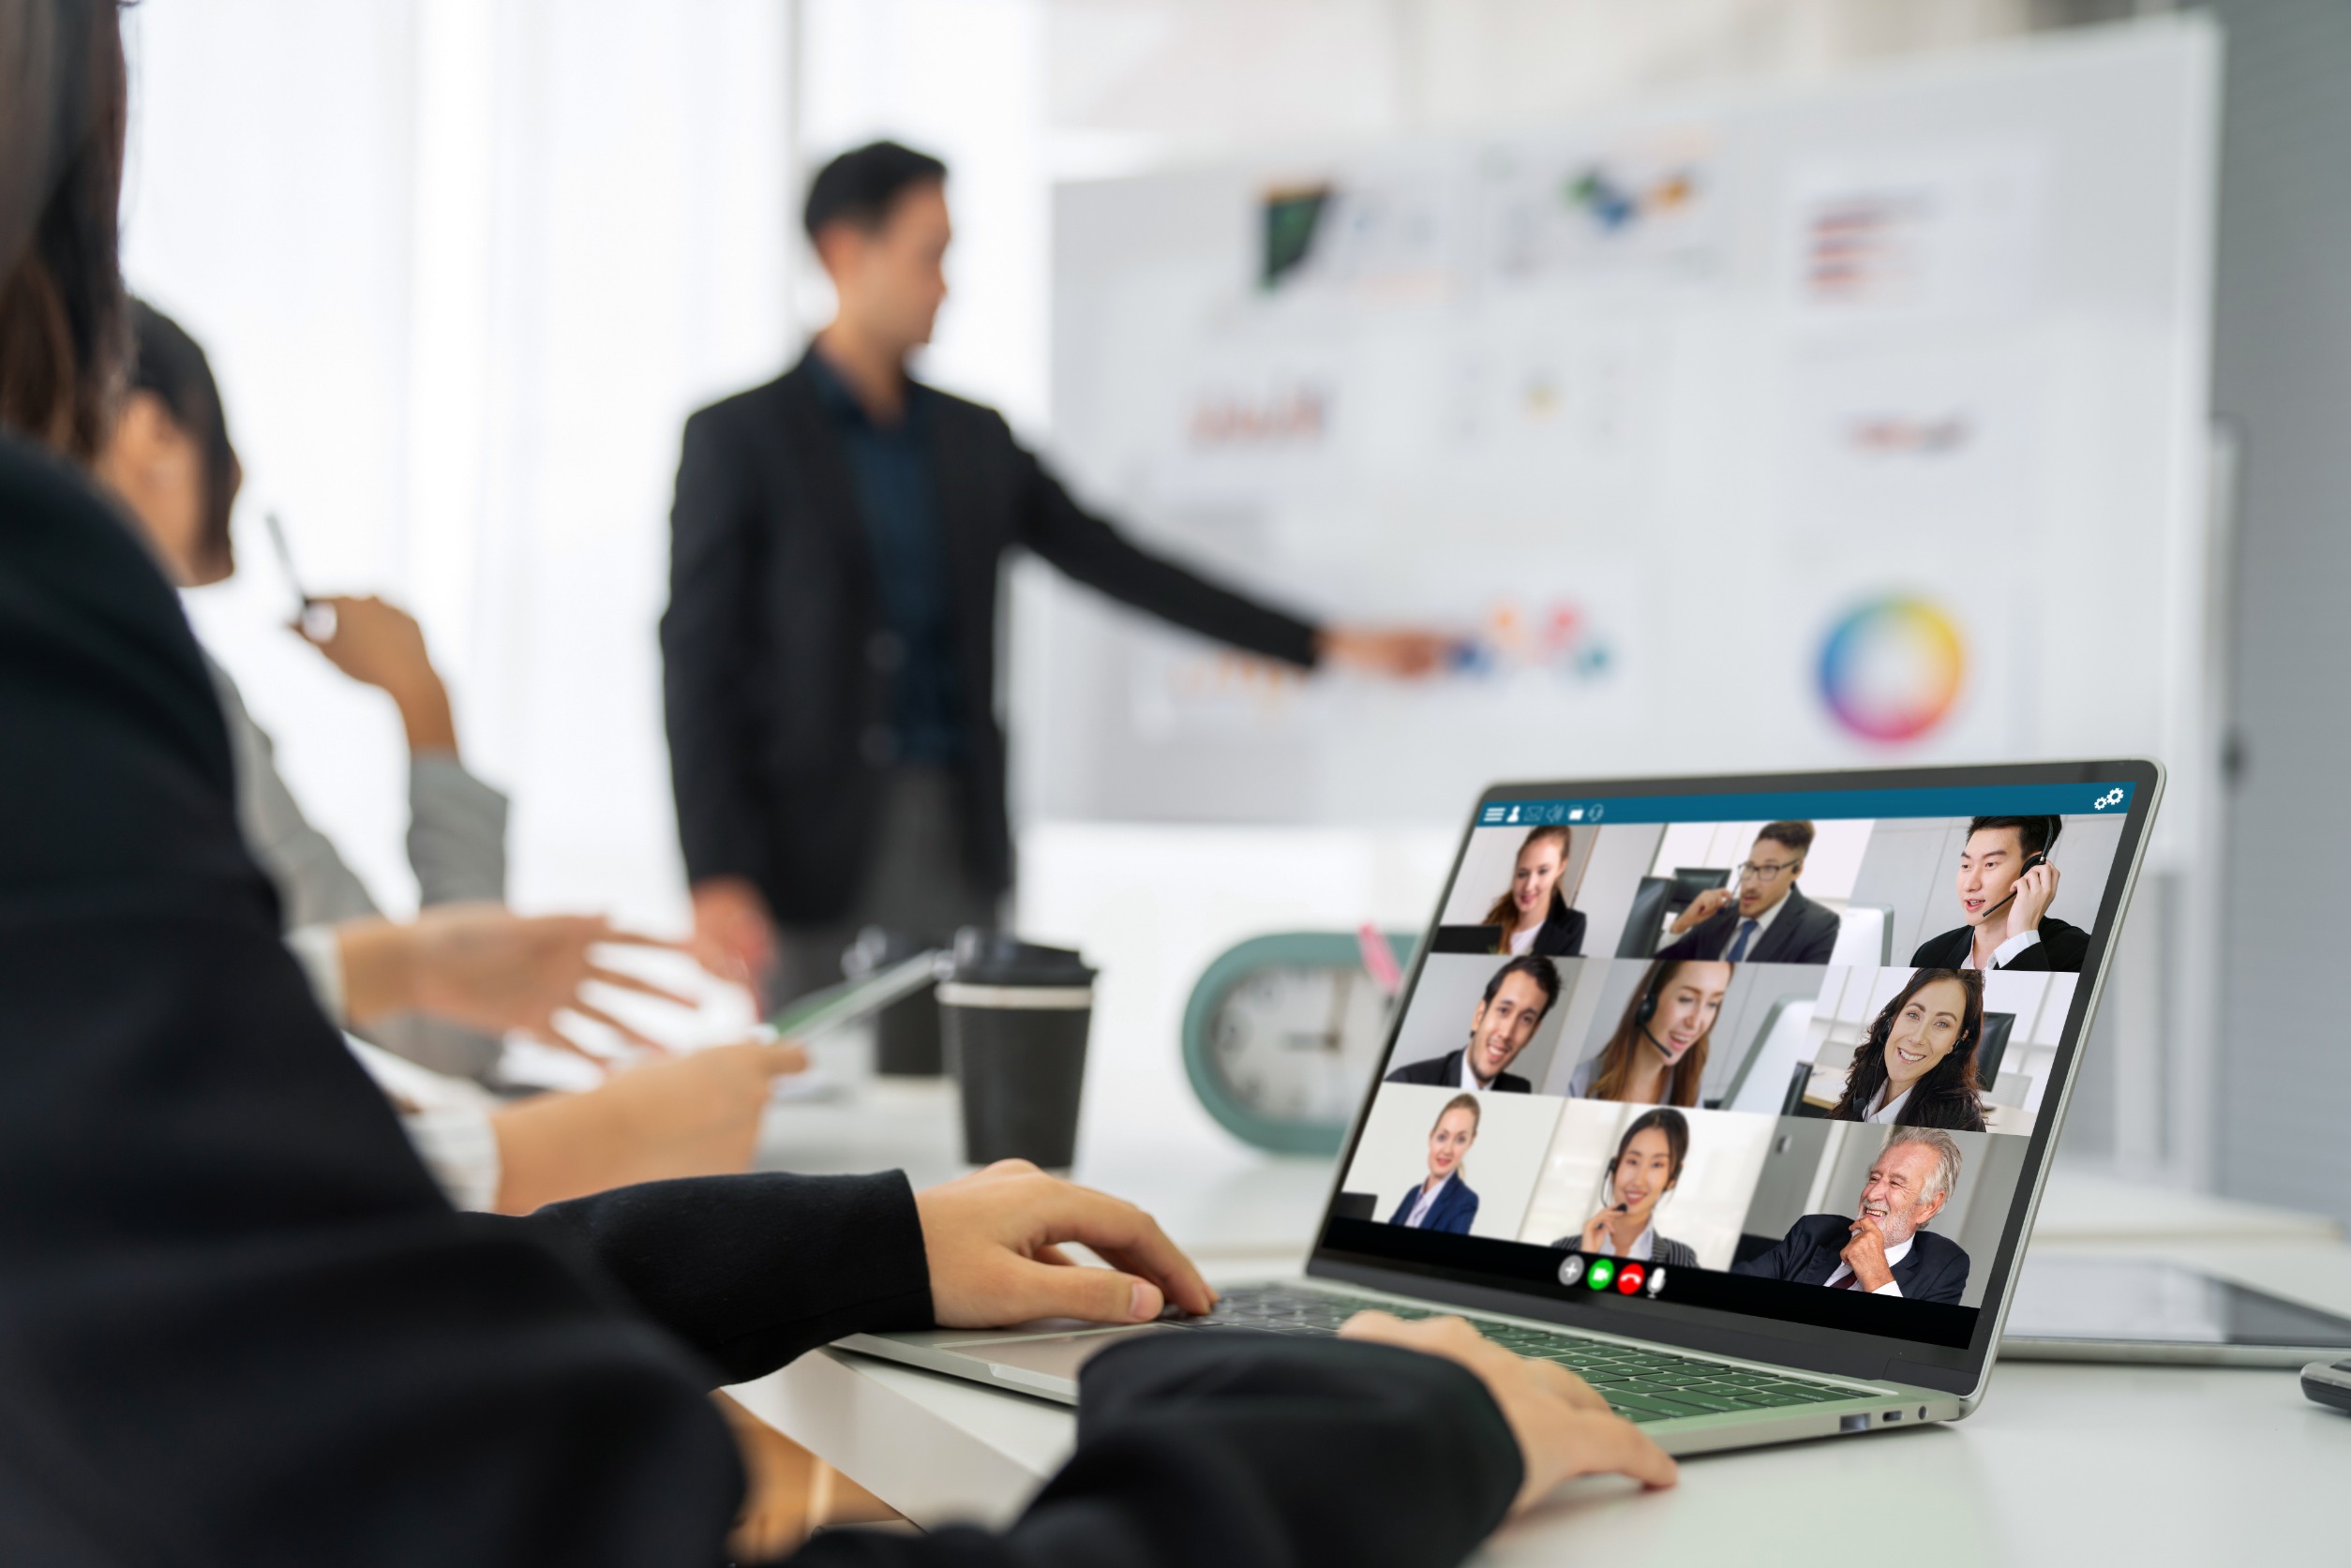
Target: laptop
1739,1159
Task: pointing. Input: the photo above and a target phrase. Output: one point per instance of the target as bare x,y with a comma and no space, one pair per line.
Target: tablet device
2104,1309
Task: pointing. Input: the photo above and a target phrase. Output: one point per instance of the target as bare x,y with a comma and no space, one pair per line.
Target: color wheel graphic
1892,668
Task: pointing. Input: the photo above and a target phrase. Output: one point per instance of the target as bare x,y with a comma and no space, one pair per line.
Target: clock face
1298,1042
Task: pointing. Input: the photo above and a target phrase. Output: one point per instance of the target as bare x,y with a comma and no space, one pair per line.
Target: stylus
285,558
317,619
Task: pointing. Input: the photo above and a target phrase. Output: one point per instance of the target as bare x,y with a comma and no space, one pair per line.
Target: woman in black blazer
1531,914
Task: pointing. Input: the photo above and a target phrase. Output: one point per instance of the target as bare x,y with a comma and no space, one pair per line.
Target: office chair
1794,1104
1646,919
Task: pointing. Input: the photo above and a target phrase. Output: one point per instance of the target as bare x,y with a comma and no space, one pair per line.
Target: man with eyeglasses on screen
1761,918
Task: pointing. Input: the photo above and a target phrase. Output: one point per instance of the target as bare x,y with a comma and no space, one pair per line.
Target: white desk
2063,1464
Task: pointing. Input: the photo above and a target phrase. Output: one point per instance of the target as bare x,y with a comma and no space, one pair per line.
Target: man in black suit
2006,885
1885,1249
1771,922
1503,1025
829,647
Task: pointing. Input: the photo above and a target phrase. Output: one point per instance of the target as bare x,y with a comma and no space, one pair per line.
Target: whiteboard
1861,425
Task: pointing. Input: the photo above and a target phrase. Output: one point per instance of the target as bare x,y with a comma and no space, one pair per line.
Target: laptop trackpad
1053,1362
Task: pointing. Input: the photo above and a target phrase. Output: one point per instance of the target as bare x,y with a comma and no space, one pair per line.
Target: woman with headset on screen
1648,1165
1442,1201
1531,914
1657,1055
1916,1067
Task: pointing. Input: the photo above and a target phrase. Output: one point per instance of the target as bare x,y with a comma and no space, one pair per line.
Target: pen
317,619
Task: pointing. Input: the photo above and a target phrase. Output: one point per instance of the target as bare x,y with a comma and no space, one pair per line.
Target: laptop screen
1781,1051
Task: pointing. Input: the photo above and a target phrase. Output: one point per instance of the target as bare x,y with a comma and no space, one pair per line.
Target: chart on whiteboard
1851,426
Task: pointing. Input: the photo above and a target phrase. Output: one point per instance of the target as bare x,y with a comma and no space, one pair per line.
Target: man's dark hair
860,186
2037,834
63,108
1796,837
1542,971
168,363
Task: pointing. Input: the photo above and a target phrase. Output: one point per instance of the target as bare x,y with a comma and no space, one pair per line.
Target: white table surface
2061,1464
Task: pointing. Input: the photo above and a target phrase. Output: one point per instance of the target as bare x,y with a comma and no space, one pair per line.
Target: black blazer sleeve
1096,554
708,649
2062,948
1562,935
1940,1269
1787,1260
1435,1069
1815,938
753,1271
1705,937
1942,952
1244,1450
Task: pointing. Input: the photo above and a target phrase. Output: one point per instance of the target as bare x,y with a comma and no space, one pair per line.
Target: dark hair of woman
1505,911
63,110
1623,1050
168,363
1676,1130
1948,1095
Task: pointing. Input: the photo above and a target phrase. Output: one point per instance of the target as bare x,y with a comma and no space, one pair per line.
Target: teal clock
1282,1035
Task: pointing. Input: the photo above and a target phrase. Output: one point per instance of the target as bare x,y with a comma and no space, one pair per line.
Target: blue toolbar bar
2089,800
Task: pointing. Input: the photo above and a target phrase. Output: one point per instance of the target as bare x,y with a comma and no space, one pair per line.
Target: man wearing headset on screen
1503,1025
1761,918
2006,885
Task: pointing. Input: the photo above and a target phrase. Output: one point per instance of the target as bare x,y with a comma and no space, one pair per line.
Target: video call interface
1764,1053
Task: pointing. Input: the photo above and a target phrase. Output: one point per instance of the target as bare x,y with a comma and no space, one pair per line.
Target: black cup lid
997,958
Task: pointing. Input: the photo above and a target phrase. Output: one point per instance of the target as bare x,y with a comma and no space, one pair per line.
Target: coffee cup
1014,1018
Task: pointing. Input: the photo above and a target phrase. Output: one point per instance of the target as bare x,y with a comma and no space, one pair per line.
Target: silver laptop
1733,1094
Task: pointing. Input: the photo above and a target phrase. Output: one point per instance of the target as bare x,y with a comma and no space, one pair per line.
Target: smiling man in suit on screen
1517,998
1884,1247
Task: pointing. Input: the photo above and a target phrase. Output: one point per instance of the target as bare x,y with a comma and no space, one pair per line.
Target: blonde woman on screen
1442,1201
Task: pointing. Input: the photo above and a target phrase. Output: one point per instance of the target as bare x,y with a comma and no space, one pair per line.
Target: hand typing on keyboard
1565,1428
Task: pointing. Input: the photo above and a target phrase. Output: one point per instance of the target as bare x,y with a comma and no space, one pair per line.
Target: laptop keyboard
1639,1382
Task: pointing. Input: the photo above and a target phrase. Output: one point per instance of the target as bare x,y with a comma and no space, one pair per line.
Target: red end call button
1629,1278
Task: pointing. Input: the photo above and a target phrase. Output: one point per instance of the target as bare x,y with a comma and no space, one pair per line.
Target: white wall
463,270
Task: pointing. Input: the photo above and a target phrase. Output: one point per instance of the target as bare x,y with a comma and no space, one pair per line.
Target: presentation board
1859,425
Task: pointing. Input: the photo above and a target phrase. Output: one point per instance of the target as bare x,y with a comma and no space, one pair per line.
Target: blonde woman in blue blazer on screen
1444,1201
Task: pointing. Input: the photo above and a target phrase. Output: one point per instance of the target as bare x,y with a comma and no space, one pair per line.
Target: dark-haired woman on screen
1917,1065
1532,916
1648,1165
1657,1053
